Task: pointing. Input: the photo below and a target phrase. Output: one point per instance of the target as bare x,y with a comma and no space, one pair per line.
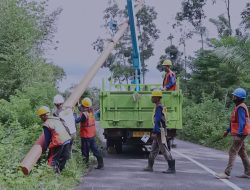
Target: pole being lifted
81,87
36,150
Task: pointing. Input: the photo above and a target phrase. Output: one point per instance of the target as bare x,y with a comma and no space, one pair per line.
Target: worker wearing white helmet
88,132
169,82
66,116
58,102
57,139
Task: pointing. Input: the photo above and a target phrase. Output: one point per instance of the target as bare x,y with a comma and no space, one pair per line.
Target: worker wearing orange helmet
57,139
88,132
158,144
169,82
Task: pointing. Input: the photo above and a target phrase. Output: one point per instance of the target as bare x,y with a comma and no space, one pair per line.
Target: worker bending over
57,139
66,116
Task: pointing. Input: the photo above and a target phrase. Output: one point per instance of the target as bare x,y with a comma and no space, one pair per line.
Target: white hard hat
58,99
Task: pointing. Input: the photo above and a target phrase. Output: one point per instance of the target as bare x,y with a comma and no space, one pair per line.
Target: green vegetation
28,81
210,76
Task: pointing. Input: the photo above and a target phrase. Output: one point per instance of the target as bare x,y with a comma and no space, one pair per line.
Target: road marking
227,182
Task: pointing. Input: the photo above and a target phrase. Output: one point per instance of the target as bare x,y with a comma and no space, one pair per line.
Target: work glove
225,134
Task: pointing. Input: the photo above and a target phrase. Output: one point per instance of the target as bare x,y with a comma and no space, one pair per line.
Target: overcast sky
81,22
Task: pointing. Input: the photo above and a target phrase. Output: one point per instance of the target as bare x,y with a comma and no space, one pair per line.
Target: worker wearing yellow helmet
57,139
158,144
88,132
169,82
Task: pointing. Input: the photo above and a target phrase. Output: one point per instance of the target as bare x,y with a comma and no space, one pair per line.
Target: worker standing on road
88,132
157,145
169,82
65,114
239,129
56,138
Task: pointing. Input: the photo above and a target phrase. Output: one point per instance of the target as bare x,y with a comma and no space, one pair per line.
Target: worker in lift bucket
239,129
159,139
57,139
88,132
169,81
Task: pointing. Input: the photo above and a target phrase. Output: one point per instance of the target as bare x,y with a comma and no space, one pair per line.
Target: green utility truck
126,115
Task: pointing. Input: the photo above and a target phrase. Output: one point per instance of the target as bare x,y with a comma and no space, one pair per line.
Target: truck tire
118,146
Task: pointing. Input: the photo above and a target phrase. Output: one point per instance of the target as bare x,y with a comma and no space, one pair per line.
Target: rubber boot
171,167
149,168
100,163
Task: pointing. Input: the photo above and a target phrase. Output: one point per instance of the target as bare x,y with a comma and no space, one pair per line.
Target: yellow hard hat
156,93
86,102
167,62
42,110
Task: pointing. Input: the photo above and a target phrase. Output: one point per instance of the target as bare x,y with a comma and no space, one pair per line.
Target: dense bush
19,128
204,123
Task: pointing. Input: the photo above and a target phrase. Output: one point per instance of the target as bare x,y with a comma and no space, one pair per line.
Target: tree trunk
202,40
229,16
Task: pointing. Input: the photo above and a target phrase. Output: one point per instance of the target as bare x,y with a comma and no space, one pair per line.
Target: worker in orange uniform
158,145
169,82
88,132
239,129
56,138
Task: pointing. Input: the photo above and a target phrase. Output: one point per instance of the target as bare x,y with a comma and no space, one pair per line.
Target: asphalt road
195,169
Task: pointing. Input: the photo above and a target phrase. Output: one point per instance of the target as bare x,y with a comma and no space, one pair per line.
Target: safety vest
59,135
166,80
88,128
235,122
163,118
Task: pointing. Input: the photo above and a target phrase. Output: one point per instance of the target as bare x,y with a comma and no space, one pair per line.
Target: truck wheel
118,147
110,143
110,146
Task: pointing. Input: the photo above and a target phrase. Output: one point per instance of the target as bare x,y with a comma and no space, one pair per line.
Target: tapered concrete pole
35,152
33,155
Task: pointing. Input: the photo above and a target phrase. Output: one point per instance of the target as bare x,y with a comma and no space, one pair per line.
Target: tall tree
223,26
25,29
218,71
193,12
148,34
245,15
227,2
119,62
